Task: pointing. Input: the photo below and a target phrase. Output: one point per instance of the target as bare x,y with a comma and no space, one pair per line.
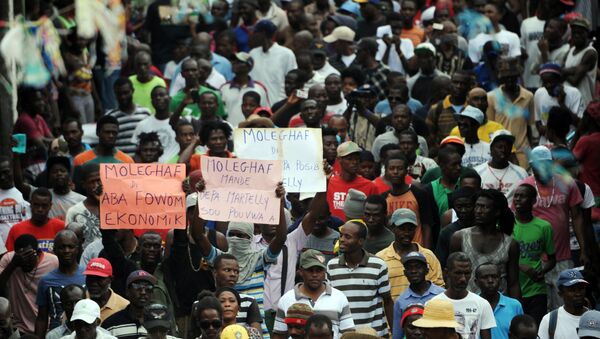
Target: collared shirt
443,118
365,286
410,297
377,78
114,304
123,326
331,303
63,331
506,309
398,281
233,93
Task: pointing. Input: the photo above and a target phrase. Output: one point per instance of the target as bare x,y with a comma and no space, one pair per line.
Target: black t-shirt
367,29
163,33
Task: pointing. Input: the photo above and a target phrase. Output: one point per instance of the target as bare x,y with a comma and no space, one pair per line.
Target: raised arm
281,231
318,206
197,225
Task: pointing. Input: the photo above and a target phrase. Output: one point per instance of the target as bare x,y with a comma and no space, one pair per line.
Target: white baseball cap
340,33
473,113
86,310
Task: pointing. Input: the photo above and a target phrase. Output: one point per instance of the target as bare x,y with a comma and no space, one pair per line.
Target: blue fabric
504,312
484,77
384,108
407,298
48,293
242,34
222,65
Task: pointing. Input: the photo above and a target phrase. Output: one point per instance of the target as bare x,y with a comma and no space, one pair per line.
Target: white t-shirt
165,134
543,102
394,62
476,154
566,325
473,313
13,210
505,180
324,72
511,45
62,203
338,108
532,29
348,59
270,68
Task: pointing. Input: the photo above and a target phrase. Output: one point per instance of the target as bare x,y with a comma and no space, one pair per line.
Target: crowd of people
462,191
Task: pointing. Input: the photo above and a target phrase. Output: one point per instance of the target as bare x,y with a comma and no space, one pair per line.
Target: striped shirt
123,326
365,286
249,311
332,303
127,124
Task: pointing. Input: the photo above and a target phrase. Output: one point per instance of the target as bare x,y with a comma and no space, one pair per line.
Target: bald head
478,97
202,38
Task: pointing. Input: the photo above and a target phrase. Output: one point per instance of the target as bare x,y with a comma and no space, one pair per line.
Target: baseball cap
234,332
265,26
589,324
580,22
540,153
86,310
403,216
342,33
428,14
374,2
570,277
451,139
244,57
414,256
266,110
350,7
156,315
347,148
311,258
437,313
411,310
298,314
568,2
99,267
141,275
425,47
502,134
471,112
550,67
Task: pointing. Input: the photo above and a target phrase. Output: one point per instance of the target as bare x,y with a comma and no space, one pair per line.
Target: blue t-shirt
506,309
48,293
384,108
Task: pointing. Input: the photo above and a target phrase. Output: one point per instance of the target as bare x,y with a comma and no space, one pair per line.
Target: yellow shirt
398,281
114,304
484,132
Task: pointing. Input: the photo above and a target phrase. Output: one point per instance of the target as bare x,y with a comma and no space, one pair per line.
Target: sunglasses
208,324
140,286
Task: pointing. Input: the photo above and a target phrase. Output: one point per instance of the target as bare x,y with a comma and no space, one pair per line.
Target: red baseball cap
99,267
411,310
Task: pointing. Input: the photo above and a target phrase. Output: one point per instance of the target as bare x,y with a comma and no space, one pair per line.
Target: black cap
156,315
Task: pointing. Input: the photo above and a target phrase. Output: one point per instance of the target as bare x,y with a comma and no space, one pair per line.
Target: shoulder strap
284,268
552,323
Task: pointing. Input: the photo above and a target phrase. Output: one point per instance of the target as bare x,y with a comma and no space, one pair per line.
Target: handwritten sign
240,190
300,149
142,196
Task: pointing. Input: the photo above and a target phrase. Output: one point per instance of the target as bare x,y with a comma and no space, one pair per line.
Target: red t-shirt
589,156
34,128
338,188
296,120
44,234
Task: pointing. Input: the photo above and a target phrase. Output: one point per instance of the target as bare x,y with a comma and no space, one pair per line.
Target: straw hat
438,313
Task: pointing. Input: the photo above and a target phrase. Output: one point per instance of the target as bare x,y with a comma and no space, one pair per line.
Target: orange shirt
91,156
415,34
406,200
196,159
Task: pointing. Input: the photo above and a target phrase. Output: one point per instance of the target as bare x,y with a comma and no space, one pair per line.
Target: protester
85,321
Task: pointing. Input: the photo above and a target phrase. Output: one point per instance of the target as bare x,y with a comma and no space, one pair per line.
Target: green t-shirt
440,194
535,239
436,172
141,91
193,110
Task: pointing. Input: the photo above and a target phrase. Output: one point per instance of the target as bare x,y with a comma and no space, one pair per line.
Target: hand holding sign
239,190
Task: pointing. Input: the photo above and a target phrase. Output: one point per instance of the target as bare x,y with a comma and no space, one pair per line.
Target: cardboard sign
300,149
142,196
240,190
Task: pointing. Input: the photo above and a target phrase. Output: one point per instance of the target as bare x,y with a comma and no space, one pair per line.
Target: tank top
499,257
587,84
